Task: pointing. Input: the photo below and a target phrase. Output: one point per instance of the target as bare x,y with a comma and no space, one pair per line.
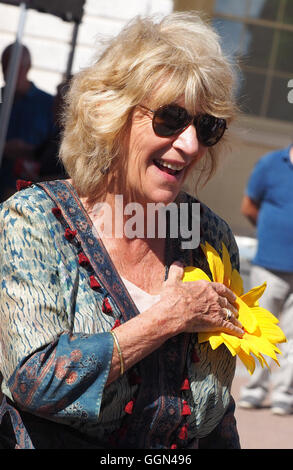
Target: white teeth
172,166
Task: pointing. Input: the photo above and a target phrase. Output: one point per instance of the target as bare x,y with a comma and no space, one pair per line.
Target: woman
99,344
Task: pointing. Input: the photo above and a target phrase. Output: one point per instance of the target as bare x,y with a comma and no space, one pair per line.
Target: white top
142,299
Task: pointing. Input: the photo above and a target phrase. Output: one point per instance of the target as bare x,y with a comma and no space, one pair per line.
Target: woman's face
158,166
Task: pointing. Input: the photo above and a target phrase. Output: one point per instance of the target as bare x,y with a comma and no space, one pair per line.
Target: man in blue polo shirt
268,204
31,124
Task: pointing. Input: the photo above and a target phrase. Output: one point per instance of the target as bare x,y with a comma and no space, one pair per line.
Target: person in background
51,166
31,124
268,205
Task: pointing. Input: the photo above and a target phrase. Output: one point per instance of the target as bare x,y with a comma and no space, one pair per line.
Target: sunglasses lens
210,129
172,119
169,120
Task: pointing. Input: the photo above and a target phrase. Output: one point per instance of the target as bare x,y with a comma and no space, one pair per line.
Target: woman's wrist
120,355
169,322
137,338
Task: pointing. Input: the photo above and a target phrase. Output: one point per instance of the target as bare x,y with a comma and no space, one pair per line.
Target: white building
48,37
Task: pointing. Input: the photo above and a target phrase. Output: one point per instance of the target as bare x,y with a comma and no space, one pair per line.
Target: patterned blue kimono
60,296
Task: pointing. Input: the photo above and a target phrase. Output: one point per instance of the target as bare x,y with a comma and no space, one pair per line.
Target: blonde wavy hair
150,61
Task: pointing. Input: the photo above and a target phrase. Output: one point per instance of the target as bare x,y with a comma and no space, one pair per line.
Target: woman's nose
187,141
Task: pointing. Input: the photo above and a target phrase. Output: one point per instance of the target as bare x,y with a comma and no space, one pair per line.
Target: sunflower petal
236,283
261,330
194,274
214,338
233,341
277,350
273,333
264,315
245,344
203,337
251,297
247,360
264,362
216,341
276,361
231,349
246,317
227,266
215,262
260,345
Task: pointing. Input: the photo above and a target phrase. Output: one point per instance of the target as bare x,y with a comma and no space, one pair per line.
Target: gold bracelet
119,352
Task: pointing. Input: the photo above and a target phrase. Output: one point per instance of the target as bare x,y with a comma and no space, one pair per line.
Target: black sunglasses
172,119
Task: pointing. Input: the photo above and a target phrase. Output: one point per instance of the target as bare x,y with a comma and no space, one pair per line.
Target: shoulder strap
75,217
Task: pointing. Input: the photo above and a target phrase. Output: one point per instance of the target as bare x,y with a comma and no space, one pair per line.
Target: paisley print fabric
60,297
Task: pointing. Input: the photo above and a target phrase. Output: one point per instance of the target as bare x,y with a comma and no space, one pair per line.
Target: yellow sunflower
261,333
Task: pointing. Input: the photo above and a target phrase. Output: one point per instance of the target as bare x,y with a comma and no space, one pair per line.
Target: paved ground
260,429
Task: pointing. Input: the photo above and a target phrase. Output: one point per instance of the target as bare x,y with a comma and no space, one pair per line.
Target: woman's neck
115,217
123,228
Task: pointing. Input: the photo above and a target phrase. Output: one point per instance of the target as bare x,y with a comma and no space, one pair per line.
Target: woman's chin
163,196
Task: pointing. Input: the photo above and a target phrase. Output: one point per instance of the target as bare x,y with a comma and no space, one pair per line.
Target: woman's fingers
233,327
224,291
176,271
225,304
230,320
206,306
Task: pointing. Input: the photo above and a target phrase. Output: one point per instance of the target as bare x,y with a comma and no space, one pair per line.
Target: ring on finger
228,314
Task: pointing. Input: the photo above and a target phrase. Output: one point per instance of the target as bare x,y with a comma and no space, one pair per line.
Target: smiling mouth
170,168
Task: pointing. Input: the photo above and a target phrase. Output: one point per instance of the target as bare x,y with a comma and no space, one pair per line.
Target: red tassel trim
57,212
70,234
194,356
185,410
106,307
83,260
185,385
183,433
94,283
173,446
22,184
117,322
129,407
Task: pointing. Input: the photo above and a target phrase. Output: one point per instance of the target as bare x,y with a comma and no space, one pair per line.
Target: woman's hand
198,306
184,307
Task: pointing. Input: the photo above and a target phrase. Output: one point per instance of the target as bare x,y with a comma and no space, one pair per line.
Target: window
258,34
